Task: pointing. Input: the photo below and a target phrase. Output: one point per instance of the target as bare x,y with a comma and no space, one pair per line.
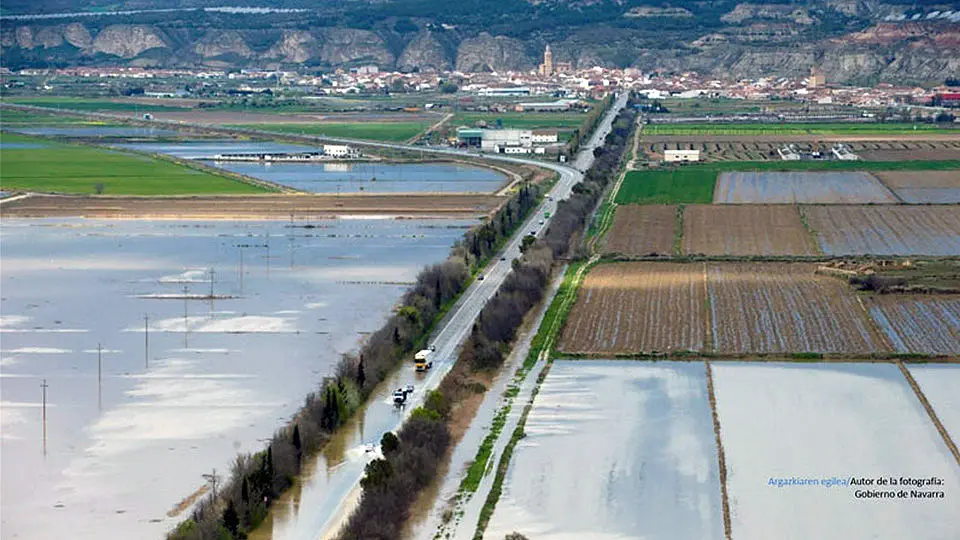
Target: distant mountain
850,40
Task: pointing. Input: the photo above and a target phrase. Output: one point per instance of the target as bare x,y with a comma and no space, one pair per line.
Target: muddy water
212,378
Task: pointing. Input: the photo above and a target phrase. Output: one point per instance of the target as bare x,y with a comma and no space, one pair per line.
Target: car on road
480,277
503,258
400,396
541,222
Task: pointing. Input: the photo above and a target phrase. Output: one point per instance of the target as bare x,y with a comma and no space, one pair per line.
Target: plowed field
642,230
635,307
800,187
927,325
936,187
745,230
888,230
785,308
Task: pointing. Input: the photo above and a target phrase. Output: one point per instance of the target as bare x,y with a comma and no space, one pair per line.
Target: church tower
546,69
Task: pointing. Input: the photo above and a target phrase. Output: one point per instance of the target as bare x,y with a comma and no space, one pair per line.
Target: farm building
671,156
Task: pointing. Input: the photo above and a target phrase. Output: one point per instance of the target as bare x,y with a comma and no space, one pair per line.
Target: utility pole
211,282
43,389
99,377
146,341
241,270
214,480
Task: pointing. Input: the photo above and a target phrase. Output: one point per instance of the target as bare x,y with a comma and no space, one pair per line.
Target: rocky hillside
851,40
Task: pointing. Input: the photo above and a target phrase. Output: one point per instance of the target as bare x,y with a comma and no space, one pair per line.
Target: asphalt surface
381,416
327,497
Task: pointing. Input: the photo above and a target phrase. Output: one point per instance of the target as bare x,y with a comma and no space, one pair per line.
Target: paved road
328,495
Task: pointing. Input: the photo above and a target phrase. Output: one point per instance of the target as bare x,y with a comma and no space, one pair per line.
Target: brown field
786,308
638,307
886,230
745,230
925,324
254,207
907,146
642,230
919,179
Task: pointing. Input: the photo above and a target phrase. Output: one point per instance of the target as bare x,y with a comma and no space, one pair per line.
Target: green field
12,117
35,164
792,129
693,184
688,186
90,104
374,131
520,120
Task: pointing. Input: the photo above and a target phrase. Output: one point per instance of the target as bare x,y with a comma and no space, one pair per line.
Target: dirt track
299,207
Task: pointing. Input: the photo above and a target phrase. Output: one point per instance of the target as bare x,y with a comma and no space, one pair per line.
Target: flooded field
372,177
918,324
615,450
361,177
800,187
209,378
810,422
939,383
96,131
886,230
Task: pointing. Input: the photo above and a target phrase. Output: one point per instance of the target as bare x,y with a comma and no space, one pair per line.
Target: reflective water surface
209,377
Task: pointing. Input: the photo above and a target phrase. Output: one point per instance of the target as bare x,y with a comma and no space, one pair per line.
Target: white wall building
544,137
671,156
493,139
340,151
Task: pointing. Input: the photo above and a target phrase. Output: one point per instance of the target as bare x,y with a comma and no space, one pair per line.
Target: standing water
212,375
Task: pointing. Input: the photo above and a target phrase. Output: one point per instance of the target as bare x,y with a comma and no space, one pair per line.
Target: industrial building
672,156
506,141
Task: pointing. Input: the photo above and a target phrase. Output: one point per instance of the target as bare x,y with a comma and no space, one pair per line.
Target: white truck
423,360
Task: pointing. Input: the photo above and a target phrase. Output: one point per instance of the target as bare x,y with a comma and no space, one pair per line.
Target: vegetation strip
721,457
930,412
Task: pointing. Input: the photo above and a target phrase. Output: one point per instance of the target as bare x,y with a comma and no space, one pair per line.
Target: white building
494,139
340,151
544,137
681,155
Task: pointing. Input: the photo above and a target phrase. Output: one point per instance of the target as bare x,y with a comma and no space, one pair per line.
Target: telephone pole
99,377
214,479
43,389
146,341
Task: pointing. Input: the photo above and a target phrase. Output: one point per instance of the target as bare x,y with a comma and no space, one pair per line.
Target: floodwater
797,423
615,450
340,177
172,405
95,131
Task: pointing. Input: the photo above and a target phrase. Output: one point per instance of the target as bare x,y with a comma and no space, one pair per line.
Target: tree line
414,456
256,480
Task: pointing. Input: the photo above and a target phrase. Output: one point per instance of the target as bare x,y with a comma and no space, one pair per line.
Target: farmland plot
637,307
745,230
889,230
615,450
936,187
800,187
642,230
808,422
785,308
939,384
921,324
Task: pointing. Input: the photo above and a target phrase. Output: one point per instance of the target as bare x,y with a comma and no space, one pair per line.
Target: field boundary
721,456
930,411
